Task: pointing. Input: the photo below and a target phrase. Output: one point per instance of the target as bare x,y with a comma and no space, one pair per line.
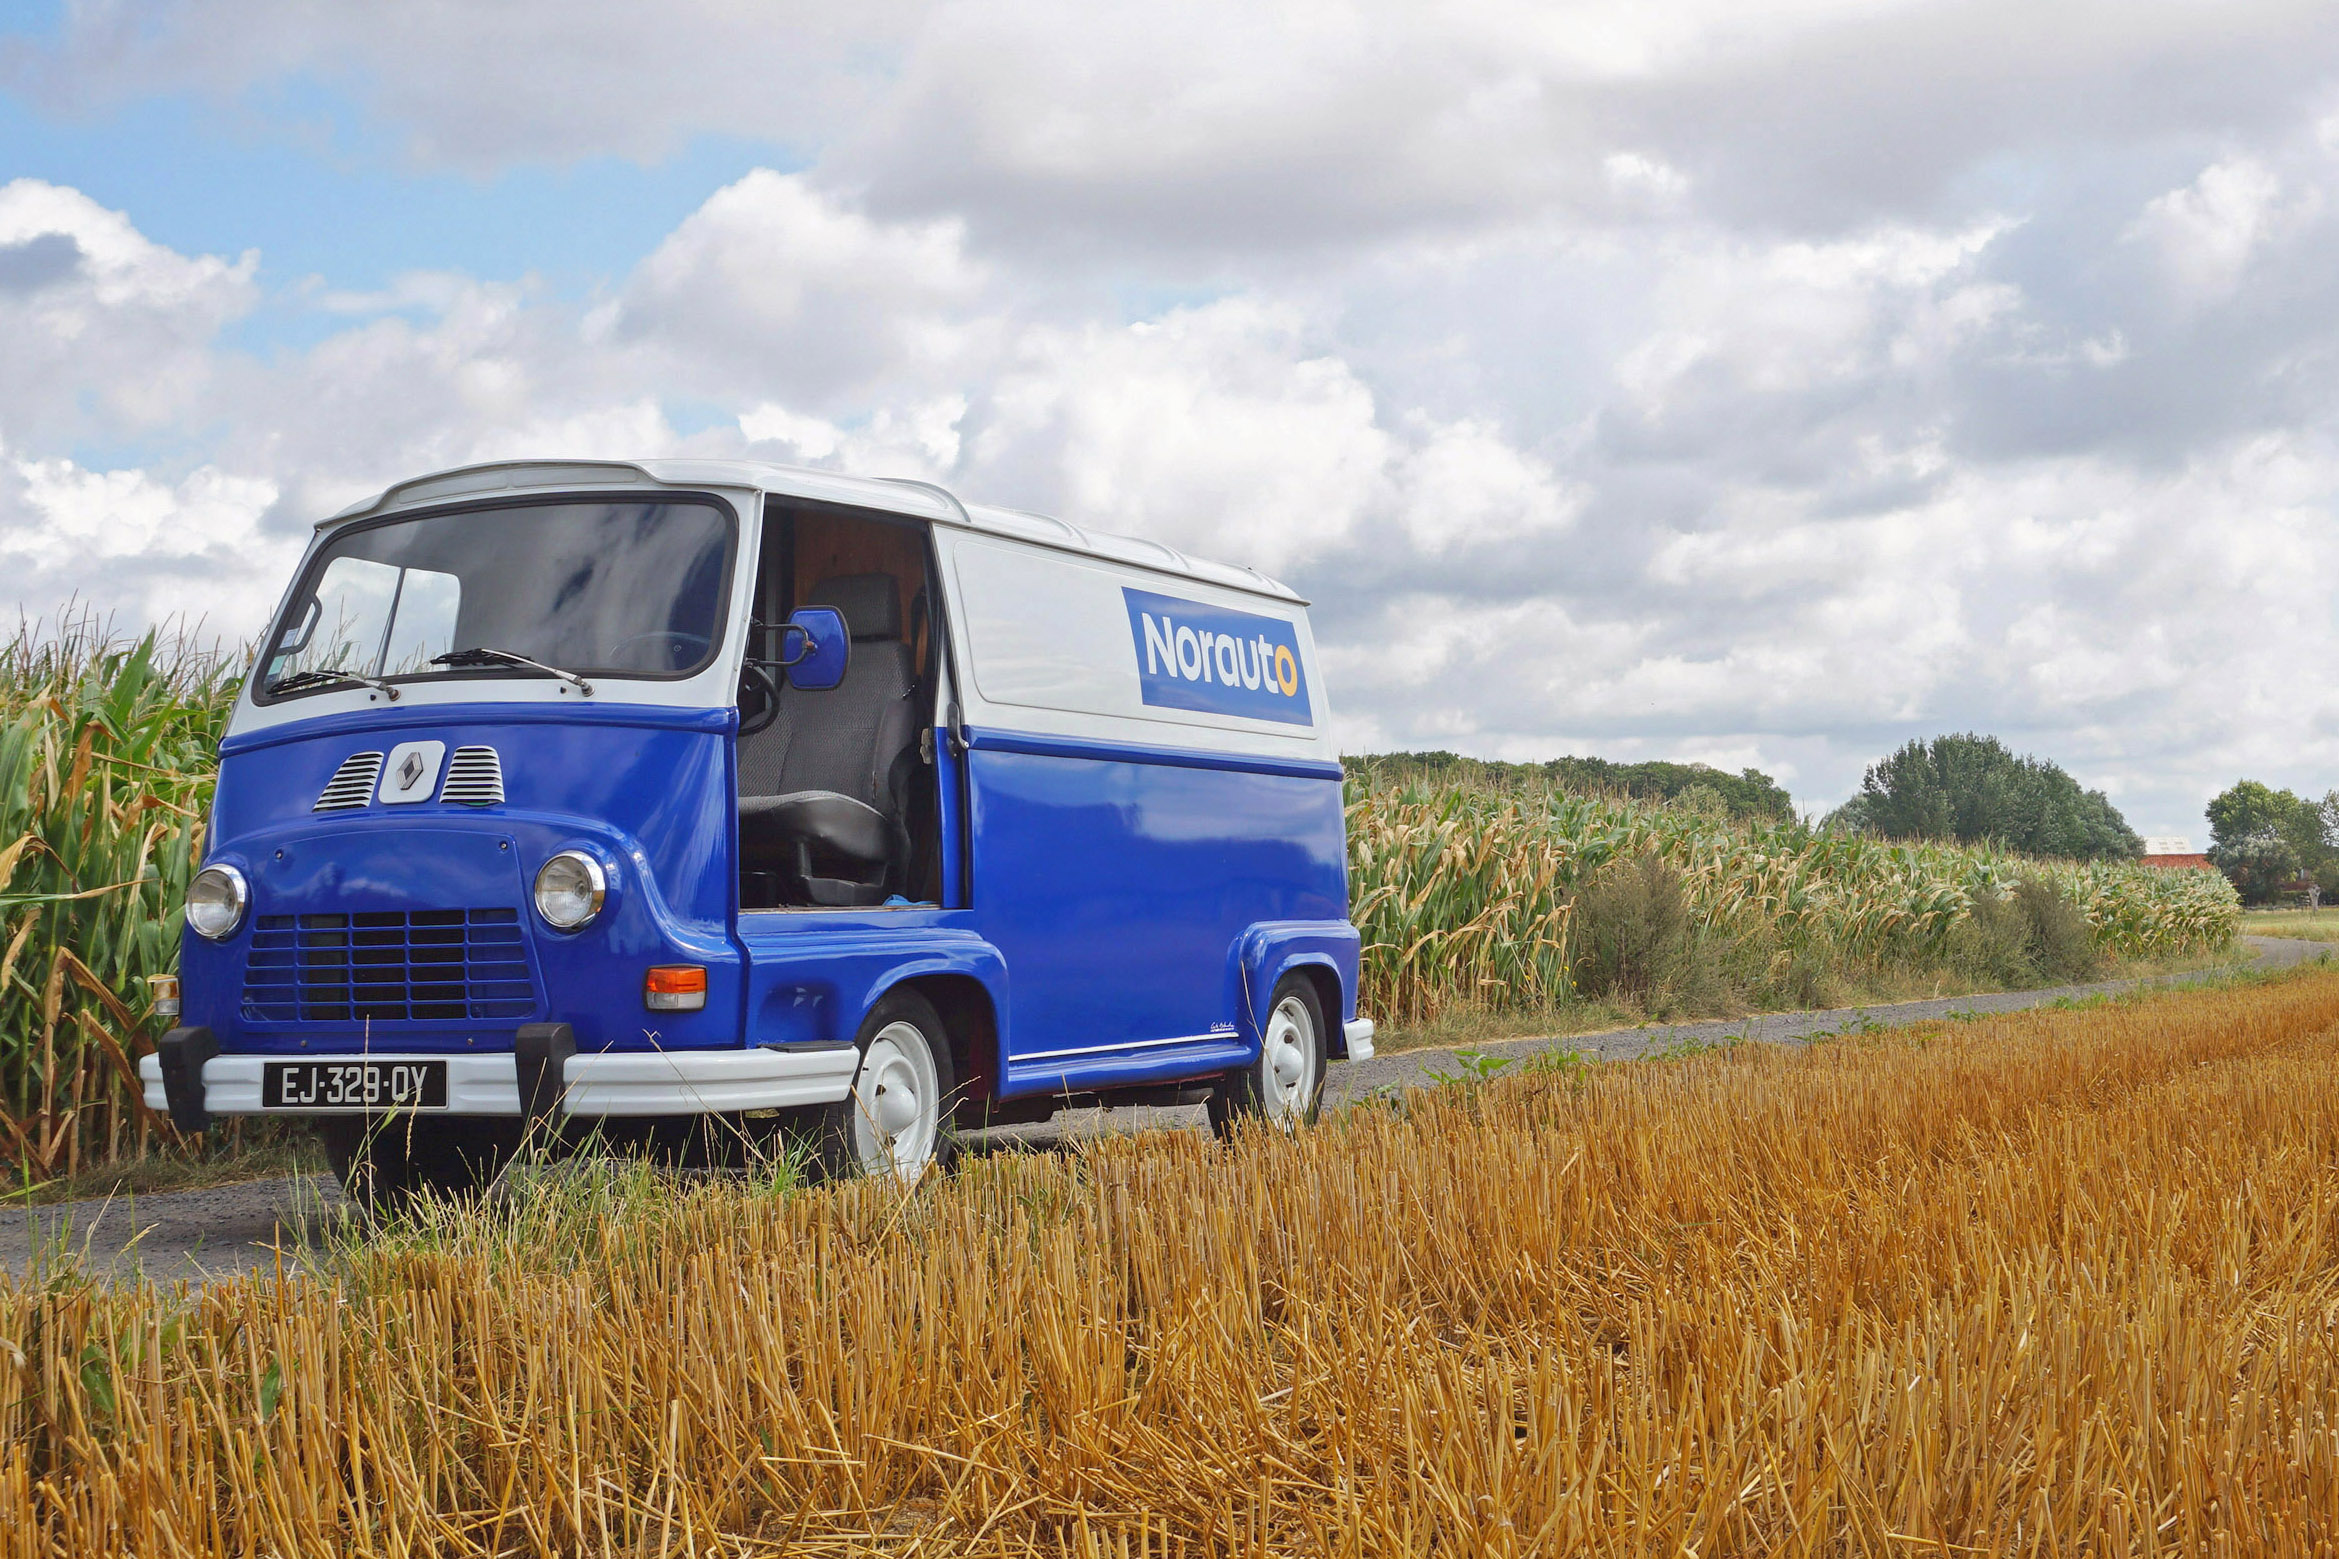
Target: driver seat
821,788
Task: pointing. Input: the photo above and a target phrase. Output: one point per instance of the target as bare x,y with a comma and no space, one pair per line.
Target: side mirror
815,647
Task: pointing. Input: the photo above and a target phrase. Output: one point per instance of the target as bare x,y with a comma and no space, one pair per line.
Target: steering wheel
756,677
695,644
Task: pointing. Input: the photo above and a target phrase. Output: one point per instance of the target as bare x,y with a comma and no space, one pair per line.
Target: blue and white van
667,790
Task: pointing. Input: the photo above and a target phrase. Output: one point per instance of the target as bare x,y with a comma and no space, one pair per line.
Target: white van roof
900,495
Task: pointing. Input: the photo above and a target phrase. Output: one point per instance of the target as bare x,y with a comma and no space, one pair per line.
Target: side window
342,628
375,618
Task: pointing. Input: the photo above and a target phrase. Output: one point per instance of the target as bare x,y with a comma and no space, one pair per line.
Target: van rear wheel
1285,1086
388,1161
896,1120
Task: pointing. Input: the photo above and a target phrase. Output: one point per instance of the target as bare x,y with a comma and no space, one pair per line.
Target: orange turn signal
675,988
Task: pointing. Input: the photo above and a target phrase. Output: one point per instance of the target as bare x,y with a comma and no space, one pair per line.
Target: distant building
2173,852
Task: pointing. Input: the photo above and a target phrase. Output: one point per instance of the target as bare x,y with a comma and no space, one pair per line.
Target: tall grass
2049,1284
107,750
1466,896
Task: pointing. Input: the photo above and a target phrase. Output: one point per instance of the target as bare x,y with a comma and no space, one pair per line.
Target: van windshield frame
625,585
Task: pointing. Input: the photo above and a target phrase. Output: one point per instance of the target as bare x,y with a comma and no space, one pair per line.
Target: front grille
352,785
475,778
388,967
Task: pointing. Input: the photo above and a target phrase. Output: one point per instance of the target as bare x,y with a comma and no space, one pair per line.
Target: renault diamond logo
411,773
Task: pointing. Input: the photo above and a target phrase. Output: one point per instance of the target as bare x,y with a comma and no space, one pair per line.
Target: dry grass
2048,1284
2304,925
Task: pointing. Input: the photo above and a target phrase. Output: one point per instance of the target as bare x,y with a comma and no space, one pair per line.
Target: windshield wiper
325,674
480,655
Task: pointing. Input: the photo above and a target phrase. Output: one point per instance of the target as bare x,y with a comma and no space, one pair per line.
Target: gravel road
204,1236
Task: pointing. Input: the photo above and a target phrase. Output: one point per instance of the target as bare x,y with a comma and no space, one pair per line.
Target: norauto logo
1211,658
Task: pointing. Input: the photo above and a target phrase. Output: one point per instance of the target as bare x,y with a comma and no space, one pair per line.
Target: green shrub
2056,937
2030,936
1636,940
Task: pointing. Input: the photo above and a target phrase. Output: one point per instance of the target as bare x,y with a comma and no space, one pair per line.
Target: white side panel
1049,643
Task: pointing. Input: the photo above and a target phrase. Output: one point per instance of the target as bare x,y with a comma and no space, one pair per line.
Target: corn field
1464,896
2047,1284
106,759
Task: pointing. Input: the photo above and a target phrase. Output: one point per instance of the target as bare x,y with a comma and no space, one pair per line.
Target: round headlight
569,889
215,901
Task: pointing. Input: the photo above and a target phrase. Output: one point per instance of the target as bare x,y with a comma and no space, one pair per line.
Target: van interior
837,799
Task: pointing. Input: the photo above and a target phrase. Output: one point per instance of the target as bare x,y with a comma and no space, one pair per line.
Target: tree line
2271,842
1973,789
1966,788
1747,795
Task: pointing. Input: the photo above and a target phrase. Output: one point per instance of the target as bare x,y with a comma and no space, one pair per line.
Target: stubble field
2051,1283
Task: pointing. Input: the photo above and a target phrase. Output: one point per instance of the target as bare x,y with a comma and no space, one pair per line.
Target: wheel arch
970,1023
1322,952
1320,974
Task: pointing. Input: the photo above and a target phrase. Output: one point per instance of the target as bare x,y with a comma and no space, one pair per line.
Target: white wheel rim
896,1104
1287,1062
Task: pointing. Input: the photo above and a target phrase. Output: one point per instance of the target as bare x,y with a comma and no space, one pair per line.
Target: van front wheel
1285,1086
895,1122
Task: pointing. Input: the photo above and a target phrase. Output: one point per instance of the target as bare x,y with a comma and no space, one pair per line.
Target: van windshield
615,588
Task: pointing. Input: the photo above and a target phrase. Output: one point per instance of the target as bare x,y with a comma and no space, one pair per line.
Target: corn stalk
107,753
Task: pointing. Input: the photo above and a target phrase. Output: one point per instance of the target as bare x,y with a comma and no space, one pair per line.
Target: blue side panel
950,817
349,941
1116,885
814,974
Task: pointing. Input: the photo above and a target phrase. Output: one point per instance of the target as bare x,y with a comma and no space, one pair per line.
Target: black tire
903,1045
1260,1091
388,1161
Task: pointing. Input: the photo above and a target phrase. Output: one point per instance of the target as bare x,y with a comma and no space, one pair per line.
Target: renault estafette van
595,792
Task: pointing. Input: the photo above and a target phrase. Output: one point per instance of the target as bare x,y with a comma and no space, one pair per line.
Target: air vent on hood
352,784
475,778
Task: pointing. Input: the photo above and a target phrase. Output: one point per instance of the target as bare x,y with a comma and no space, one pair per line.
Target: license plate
353,1085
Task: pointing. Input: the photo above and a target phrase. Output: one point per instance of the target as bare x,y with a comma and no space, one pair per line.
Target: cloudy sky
1760,385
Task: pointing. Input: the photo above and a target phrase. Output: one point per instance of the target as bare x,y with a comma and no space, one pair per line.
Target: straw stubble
2044,1284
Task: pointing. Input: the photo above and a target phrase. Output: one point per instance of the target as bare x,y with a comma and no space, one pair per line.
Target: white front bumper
1360,1039
671,1082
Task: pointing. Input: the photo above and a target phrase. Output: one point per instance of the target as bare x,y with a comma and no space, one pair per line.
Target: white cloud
1463,482
104,331
1214,428
1762,386
773,282
799,437
126,541
1646,181
2209,231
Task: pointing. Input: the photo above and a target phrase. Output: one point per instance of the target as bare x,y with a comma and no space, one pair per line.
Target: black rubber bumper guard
542,1051
182,1054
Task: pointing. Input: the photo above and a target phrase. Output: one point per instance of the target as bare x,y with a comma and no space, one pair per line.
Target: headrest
871,603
